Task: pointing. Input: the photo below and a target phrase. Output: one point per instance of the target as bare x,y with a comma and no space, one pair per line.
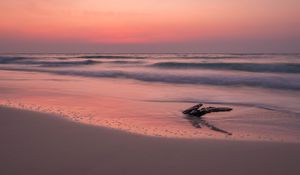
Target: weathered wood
199,113
218,109
187,111
195,116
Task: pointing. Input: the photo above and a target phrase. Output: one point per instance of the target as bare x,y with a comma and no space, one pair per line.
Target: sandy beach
37,143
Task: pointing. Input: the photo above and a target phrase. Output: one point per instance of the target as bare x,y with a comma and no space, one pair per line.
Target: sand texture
39,144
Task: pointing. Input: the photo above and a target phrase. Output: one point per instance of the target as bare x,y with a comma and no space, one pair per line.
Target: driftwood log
195,116
187,111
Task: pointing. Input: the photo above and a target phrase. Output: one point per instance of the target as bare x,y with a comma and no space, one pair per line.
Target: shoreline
203,133
37,143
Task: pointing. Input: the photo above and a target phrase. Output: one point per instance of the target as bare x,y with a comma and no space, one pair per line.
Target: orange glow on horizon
142,21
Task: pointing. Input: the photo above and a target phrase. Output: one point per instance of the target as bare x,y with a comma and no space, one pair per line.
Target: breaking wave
69,63
249,67
10,60
110,57
32,61
270,81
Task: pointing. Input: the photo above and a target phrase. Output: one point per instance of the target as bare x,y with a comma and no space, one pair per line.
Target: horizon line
254,53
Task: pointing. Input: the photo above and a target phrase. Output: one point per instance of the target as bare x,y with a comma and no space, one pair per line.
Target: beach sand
35,143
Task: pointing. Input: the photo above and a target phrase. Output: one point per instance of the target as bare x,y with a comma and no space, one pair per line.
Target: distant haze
150,26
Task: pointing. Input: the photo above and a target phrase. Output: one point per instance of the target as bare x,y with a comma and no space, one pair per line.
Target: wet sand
35,143
155,109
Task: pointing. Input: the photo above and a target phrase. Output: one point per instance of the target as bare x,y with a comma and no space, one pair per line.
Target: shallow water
145,93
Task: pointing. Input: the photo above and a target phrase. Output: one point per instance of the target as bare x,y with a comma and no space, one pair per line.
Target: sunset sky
149,26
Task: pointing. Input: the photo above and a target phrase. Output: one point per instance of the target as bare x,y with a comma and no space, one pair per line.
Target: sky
146,26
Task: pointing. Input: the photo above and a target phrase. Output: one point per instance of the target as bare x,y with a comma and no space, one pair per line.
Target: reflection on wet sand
155,108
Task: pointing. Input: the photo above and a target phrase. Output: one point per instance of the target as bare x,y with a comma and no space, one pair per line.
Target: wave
110,57
249,67
69,63
59,62
34,61
270,81
126,62
9,60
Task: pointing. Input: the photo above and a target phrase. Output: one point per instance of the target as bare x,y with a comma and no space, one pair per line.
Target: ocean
146,93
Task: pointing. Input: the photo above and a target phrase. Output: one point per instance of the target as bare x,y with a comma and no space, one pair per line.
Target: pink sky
149,26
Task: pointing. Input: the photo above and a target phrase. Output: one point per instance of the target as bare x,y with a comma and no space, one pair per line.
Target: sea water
145,93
